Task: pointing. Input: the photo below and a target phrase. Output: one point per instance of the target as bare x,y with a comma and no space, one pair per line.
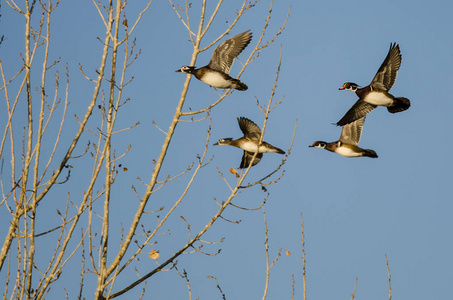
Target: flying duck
376,93
347,144
249,143
216,73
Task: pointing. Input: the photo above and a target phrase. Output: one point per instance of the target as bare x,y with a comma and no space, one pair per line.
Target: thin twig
388,273
355,287
303,256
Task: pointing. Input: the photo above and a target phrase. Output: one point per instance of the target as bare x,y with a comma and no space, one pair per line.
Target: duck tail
240,86
279,150
370,153
399,104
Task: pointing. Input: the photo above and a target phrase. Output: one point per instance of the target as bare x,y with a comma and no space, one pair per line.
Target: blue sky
355,210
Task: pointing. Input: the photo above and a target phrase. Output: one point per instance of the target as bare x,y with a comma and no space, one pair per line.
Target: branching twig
269,265
218,287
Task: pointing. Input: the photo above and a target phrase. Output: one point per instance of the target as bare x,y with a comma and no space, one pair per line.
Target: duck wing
358,110
224,55
249,129
386,75
351,133
247,158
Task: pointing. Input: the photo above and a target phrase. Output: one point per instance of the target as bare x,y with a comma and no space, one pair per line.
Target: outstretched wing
249,129
247,158
357,111
386,75
223,55
350,134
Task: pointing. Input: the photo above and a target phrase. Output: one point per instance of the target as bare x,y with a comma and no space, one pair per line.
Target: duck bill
215,144
179,71
342,88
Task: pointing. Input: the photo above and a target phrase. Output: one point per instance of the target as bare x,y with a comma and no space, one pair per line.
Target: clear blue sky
355,210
